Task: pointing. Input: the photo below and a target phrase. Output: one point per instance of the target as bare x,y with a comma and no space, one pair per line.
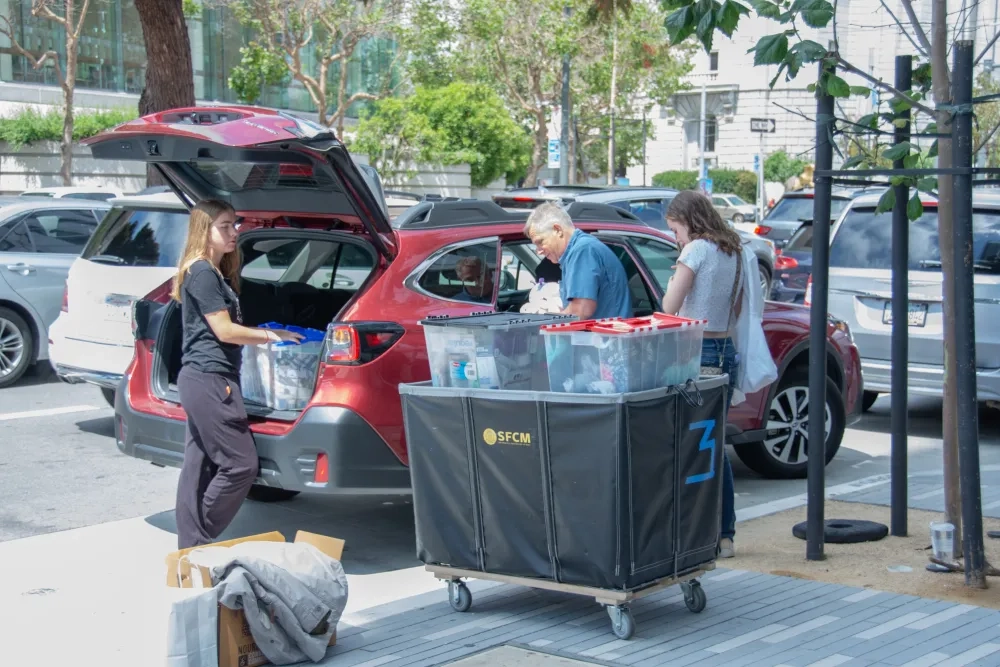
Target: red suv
319,251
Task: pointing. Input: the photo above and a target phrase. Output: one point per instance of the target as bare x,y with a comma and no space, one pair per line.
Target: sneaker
726,548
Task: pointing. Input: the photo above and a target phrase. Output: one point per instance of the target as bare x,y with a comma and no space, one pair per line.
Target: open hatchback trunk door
266,164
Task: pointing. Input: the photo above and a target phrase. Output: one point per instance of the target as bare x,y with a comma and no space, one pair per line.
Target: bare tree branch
986,139
41,9
83,17
989,45
902,29
917,28
794,112
884,86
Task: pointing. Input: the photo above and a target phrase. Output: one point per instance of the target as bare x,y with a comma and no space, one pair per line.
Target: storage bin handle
695,401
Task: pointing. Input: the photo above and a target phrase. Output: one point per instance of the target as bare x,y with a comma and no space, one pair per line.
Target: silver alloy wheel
765,282
788,426
738,218
11,347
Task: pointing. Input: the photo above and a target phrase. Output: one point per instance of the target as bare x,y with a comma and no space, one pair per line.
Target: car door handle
21,267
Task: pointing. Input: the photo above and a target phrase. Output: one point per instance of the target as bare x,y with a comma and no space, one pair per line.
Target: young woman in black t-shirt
220,459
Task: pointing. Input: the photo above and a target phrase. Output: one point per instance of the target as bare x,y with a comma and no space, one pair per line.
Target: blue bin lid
309,335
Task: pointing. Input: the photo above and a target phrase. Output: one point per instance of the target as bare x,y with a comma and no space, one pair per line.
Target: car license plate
117,308
916,314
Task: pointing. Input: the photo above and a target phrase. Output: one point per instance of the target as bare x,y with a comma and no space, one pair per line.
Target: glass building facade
112,54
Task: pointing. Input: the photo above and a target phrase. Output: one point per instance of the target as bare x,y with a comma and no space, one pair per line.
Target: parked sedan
39,239
734,209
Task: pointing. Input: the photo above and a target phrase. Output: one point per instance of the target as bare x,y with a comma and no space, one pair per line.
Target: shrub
28,126
724,181
778,167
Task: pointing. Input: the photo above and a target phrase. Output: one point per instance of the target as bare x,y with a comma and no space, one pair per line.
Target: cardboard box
237,647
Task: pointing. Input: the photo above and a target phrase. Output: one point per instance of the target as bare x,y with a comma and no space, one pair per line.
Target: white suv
134,250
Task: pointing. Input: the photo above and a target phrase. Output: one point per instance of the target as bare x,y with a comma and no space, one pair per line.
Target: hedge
28,126
724,181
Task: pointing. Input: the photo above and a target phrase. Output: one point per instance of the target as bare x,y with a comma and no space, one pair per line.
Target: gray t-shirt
205,292
711,294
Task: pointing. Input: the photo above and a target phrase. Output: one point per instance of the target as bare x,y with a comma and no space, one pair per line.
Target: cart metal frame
615,601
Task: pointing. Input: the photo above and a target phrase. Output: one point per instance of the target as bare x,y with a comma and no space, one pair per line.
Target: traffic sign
762,125
756,162
554,154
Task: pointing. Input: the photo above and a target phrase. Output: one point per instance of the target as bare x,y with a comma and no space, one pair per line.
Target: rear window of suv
864,241
801,208
140,238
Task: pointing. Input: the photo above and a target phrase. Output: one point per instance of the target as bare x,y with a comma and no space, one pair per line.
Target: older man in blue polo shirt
593,284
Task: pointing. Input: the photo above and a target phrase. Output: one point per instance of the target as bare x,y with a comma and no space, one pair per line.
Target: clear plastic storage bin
488,351
282,376
620,356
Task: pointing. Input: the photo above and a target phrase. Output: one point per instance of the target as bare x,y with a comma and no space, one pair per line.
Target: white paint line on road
863,595
970,656
941,617
791,502
992,506
47,412
889,626
928,660
929,494
818,622
739,641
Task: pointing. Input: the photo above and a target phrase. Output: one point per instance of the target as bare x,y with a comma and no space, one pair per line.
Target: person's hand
289,336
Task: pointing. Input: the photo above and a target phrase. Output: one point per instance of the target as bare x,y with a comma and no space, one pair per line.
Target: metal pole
760,178
900,325
818,323
965,322
564,122
644,148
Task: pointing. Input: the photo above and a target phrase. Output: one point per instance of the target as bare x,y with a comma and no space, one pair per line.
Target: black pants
220,460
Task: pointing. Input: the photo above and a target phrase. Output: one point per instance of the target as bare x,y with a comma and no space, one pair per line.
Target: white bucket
943,540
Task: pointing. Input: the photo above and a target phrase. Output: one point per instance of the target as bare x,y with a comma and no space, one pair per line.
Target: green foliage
28,126
459,123
779,167
258,67
191,9
724,181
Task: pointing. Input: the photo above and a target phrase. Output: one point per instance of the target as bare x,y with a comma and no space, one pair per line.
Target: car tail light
523,199
322,474
65,301
783,262
359,342
295,170
809,291
761,230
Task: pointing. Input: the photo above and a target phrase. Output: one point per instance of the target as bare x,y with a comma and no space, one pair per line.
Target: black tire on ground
765,281
109,395
868,400
846,531
17,347
765,459
269,494
738,218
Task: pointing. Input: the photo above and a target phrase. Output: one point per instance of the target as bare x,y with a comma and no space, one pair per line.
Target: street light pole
564,175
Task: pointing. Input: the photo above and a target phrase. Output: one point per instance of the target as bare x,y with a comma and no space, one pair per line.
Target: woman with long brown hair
708,285
220,459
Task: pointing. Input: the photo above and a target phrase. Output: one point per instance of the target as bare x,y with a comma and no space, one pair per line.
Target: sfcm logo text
491,437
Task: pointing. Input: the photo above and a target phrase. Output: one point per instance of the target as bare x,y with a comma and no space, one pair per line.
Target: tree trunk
69,86
539,156
614,95
941,81
169,71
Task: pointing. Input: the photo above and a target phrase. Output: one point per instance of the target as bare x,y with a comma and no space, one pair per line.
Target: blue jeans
721,353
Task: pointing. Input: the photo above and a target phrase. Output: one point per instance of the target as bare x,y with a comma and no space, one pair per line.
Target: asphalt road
60,469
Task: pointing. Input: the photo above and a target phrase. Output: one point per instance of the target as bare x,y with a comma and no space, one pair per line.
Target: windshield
864,241
736,201
801,208
802,239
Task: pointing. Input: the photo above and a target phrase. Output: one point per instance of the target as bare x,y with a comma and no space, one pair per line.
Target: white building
736,90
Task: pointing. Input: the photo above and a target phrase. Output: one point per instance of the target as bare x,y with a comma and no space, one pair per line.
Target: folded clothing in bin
282,375
622,355
488,350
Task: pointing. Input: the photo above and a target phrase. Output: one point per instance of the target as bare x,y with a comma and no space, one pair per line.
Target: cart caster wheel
459,596
622,623
694,597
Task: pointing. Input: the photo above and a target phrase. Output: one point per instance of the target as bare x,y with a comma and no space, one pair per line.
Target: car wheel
15,347
269,494
738,218
868,400
783,453
765,282
109,395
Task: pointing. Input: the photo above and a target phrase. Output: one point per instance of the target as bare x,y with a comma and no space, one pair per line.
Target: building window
711,133
713,61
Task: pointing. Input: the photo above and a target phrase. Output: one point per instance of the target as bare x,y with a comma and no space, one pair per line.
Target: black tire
758,457
738,218
109,395
17,347
622,623
269,494
868,400
765,281
459,596
695,598
846,531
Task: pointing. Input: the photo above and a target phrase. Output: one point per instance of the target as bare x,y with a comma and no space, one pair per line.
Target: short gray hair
543,218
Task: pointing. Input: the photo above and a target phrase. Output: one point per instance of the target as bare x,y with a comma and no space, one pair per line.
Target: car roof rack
441,214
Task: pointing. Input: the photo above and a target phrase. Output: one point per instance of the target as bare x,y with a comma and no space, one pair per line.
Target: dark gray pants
220,459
